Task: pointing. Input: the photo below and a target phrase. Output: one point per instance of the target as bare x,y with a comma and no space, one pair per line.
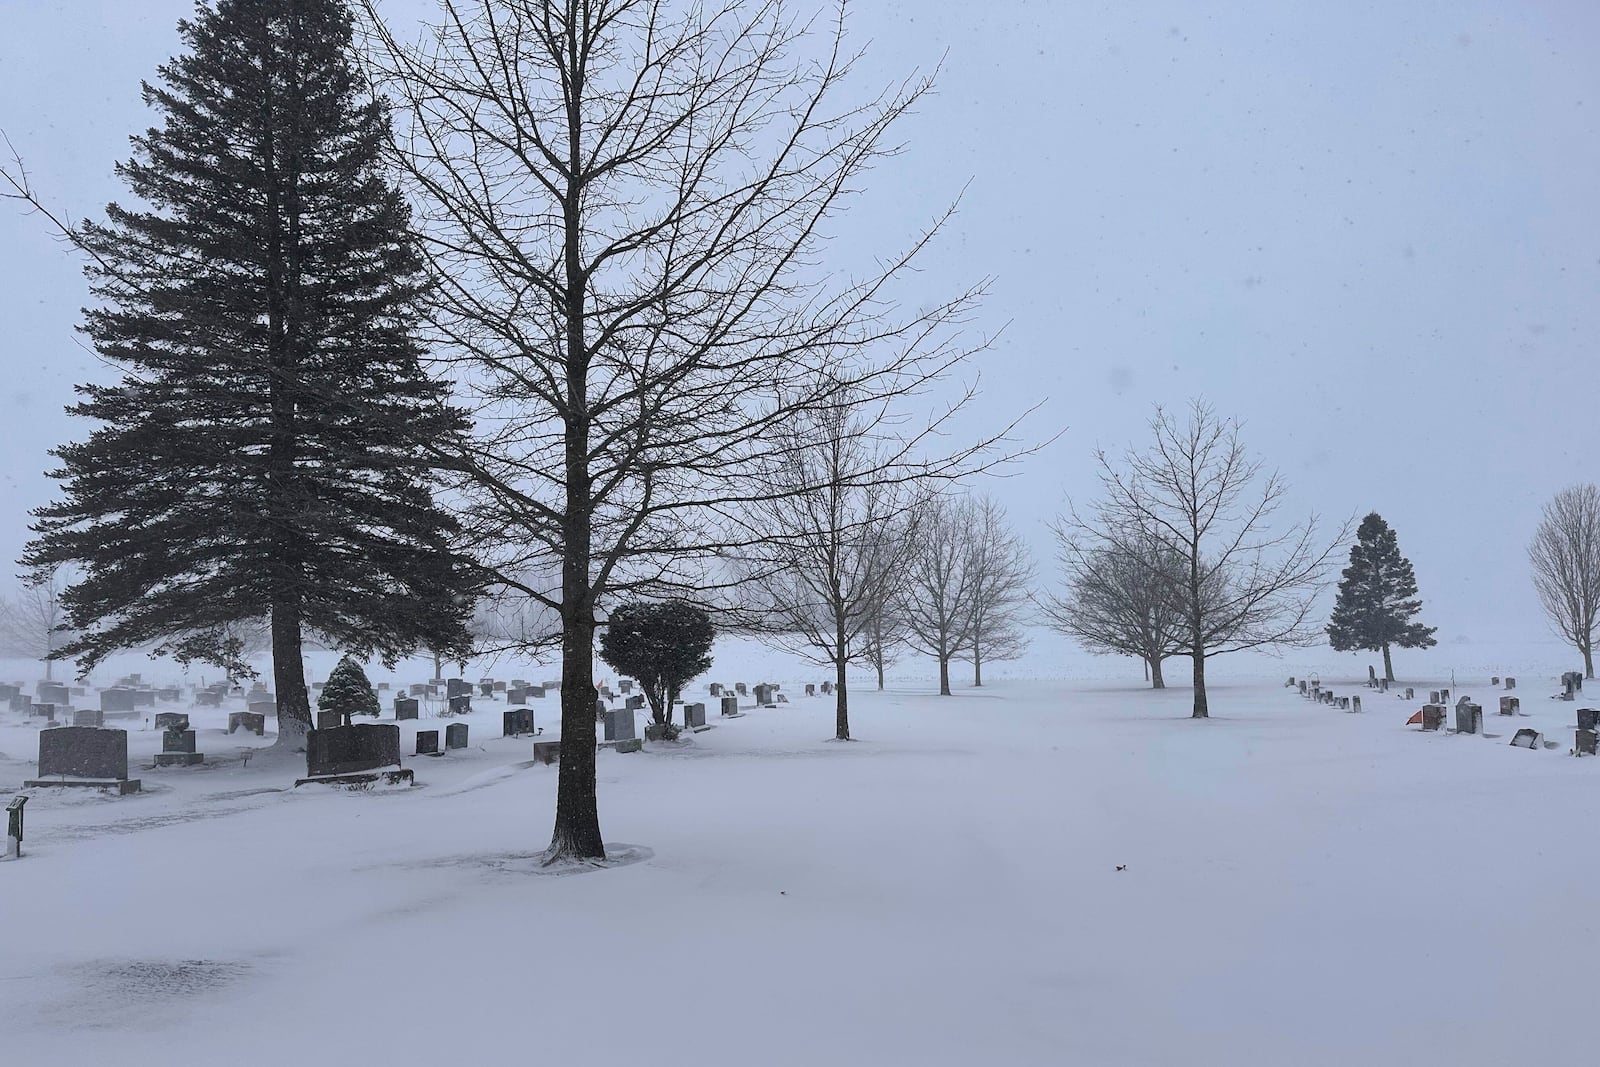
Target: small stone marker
1511,683
84,756
455,735
827,689
516,722
536,691
88,717
730,706
694,716
635,702
1372,676
427,742
546,752
1383,685
1434,697
811,690
486,689
1589,719
456,687
1510,705
715,689
247,720
1469,717
625,685
1432,716
172,720
1494,680
1584,743
406,708
177,750
1355,704
419,690
1411,694
741,689
1527,738
1303,688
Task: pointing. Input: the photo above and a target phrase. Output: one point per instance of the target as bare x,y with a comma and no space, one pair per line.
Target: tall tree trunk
1156,681
944,675
977,663
289,675
1588,660
878,662
577,829
1388,664
1201,711
841,715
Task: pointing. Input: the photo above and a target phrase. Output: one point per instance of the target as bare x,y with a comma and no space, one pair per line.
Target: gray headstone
694,715
456,687
741,689
1511,683
715,689
427,742
116,699
1469,718
730,705
619,725
811,690
516,721
625,685
455,735
352,749
83,752
1432,716
177,741
636,702
1510,705
406,708
460,705
172,720
88,717
1527,738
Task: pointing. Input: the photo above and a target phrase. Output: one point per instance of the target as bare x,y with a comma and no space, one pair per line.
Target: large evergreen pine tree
263,456
1377,598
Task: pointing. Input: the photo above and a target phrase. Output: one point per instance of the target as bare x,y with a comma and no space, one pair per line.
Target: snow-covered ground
1045,871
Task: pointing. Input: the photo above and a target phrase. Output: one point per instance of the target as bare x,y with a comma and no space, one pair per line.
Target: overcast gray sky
1365,229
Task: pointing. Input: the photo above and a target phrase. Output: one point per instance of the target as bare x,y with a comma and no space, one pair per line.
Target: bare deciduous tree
32,621
1565,558
1119,599
833,538
937,601
1002,584
1199,495
883,637
624,203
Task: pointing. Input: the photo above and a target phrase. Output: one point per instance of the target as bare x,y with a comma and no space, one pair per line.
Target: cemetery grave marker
172,720
546,752
88,717
249,721
406,708
427,742
516,722
455,735
1511,683
730,705
694,716
14,827
1432,716
619,725
84,756
1469,717
1510,705
355,755
178,749
461,705
1527,738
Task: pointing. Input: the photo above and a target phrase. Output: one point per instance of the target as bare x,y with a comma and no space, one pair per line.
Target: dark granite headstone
741,689
1589,719
1527,738
116,700
88,717
1511,683
248,721
625,685
516,695
461,704
406,708
730,706
536,691
172,720
329,720
811,690
264,708
694,715
352,749
83,752
515,722
419,689
455,735
827,689
177,741
635,702
208,698
42,711
456,687
499,687
715,689
486,689
1432,716
1355,704
1510,705
1583,742
1411,694
427,742
546,752
1434,697
53,693
619,725
1469,718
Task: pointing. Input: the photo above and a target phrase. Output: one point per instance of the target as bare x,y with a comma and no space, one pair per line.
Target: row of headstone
455,736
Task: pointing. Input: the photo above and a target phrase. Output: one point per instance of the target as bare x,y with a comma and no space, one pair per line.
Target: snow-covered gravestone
84,756
1411,694
406,708
1432,716
1588,719
1469,717
1527,738
741,689
1434,697
178,749
354,755
1510,705
1511,683
730,705
694,716
455,735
